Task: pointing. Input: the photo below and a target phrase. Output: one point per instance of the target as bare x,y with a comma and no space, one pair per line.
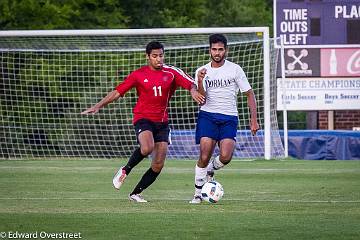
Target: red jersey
154,89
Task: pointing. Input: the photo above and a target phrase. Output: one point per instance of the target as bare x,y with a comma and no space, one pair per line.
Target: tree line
93,14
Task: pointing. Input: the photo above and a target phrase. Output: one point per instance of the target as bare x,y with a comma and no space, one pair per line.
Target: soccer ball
212,191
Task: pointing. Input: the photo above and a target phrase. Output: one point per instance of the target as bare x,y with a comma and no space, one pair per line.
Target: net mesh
47,81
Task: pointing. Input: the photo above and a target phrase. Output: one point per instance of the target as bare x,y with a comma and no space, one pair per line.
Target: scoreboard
321,55
317,22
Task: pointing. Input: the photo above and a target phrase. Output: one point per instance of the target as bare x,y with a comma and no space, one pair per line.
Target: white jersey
222,86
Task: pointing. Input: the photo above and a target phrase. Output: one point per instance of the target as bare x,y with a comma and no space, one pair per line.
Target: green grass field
289,199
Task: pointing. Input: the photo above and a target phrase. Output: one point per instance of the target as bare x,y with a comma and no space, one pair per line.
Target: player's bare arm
200,78
196,95
112,96
251,100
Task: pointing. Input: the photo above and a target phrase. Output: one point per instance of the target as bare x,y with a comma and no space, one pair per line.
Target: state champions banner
318,94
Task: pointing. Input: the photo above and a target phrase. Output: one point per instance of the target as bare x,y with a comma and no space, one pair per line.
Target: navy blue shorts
216,126
159,130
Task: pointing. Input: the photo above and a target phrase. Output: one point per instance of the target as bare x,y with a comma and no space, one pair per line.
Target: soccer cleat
210,176
196,200
119,178
137,198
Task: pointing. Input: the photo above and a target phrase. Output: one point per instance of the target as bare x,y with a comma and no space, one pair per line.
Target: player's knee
225,159
147,150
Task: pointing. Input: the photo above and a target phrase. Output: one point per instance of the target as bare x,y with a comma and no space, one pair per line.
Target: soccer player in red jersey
155,84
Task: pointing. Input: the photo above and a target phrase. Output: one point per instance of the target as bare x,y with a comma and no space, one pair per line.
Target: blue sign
309,22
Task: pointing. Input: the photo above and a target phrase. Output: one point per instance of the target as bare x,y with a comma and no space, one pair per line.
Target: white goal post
49,76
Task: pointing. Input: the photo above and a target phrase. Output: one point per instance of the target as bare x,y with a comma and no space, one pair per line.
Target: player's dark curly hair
153,45
216,38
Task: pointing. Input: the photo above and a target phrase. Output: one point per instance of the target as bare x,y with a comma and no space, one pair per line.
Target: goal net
49,77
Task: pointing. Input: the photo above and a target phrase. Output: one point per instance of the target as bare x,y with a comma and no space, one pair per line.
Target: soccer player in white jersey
220,81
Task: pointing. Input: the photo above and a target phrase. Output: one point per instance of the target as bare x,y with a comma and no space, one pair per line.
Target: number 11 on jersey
157,91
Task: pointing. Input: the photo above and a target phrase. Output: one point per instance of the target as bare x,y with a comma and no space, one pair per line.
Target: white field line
180,170
54,168
174,199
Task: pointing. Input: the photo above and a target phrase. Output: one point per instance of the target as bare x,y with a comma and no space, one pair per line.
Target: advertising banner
301,62
340,62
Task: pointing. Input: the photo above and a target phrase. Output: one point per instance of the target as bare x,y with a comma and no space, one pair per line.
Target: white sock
214,164
200,178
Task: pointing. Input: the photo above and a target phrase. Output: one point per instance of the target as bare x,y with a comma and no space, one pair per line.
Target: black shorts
160,131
